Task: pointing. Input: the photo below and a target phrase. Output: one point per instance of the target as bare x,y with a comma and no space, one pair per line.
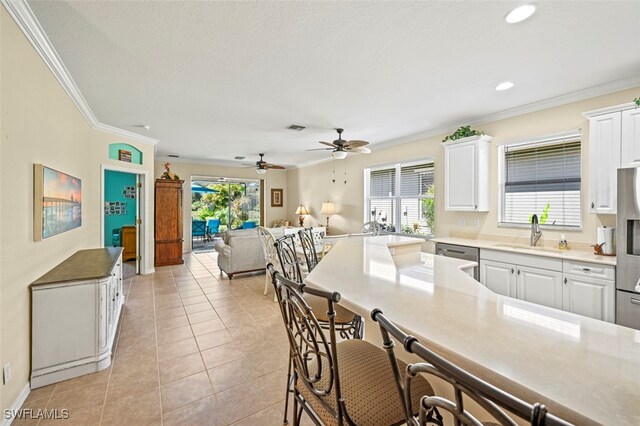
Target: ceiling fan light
339,155
261,171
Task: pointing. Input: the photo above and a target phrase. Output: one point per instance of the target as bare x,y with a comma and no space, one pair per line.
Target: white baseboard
17,404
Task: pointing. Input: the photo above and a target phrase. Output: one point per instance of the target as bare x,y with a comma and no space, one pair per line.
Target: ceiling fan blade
321,149
328,144
359,150
355,144
273,166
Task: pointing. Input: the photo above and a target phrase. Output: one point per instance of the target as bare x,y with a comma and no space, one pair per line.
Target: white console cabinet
75,309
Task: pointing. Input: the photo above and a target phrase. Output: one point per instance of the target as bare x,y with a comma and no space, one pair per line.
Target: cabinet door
631,138
460,177
498,277
591,297
604,161
103,313
539,286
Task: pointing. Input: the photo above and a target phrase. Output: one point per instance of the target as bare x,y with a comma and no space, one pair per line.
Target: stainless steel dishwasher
461,252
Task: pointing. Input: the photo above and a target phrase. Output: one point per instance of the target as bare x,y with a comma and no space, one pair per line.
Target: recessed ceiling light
520,13
505,85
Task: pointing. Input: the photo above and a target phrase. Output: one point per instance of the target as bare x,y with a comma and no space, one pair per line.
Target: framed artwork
124,155
57,202
276,197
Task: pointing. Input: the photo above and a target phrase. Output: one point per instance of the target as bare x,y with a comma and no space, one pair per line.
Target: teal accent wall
136,154
114,184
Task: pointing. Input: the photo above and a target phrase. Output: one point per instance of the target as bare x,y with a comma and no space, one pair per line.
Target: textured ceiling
220,79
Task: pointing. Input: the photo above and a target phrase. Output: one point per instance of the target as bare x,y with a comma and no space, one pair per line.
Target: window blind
382,183
416,179
542,178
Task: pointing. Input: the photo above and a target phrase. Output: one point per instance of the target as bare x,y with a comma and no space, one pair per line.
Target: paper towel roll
600,235
609,241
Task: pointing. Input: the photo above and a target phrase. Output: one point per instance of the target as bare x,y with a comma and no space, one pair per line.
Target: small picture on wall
276,197
124,155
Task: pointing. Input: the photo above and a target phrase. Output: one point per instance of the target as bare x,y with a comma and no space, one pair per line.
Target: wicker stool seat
367,386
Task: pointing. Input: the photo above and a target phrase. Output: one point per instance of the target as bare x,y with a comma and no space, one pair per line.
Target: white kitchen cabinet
583,288
74,315
466,168
499,277
604,160
539,286
591,297
630,138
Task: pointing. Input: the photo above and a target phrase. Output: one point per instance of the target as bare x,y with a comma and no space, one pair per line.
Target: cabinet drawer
531,260
585,269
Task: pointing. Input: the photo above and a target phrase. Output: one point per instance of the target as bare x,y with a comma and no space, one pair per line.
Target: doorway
222,203
120,217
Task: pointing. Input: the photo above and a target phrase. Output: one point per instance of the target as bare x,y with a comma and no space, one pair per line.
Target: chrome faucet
536,233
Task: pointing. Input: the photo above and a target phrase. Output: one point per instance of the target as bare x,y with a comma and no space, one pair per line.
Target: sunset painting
60,202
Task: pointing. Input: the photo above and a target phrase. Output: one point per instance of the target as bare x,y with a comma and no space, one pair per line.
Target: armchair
240,251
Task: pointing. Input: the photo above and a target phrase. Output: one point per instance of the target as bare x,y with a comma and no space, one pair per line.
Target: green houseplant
637,102
462,132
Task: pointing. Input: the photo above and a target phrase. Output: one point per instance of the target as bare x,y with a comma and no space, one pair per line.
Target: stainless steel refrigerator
628,249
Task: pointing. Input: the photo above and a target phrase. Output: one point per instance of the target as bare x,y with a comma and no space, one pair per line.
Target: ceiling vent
173,155
296,127
239,157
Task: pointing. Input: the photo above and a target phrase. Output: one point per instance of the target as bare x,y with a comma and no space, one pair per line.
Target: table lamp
301,211
328,209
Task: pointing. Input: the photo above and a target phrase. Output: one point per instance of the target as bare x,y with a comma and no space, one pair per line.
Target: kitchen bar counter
579,255
586,371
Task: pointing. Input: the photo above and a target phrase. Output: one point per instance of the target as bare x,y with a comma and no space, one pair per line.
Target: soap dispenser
562,244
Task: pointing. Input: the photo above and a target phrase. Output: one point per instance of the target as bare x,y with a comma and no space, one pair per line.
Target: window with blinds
542,178
401,197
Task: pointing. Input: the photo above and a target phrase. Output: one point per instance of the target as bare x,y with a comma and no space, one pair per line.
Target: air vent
239,157
296,127
173,155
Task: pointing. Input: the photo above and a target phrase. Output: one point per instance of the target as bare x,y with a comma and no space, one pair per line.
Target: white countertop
579,255
583,369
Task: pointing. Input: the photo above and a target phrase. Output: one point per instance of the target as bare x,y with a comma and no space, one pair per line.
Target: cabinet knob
518,271
476,207
565,280
512,270
593,205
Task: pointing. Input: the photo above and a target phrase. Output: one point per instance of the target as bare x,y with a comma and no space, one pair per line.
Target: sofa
240,251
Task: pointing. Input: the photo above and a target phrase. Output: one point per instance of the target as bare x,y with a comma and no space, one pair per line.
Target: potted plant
637,102
462,132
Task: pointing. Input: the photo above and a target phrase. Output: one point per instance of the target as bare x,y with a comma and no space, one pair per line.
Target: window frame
556,138
397,198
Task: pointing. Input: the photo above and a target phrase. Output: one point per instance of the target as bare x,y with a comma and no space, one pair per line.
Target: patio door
235,202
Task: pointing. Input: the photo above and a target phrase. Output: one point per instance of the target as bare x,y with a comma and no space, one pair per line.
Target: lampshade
301,210
328,208
339,155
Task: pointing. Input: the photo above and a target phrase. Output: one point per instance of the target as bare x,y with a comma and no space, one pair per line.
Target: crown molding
29,25
591,92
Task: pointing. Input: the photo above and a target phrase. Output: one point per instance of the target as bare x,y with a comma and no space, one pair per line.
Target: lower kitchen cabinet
579,287
498,277
591,297
539,286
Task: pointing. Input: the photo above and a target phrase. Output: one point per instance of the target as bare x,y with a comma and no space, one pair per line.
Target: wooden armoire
168,222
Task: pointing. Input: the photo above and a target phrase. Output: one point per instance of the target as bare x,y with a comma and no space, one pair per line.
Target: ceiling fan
262,166
340,148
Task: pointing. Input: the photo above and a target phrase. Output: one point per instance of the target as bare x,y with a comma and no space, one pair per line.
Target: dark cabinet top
91,264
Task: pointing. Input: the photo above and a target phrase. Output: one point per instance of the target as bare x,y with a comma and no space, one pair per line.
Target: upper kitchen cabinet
466,174
630,137
614,142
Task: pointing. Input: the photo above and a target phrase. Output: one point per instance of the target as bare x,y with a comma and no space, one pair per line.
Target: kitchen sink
526,247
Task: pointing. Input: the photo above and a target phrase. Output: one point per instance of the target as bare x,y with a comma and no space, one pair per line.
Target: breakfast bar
584,370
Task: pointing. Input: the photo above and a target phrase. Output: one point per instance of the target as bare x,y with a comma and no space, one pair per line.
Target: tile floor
194,348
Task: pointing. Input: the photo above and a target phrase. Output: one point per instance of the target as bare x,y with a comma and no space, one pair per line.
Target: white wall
40,124
312,185
186,171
